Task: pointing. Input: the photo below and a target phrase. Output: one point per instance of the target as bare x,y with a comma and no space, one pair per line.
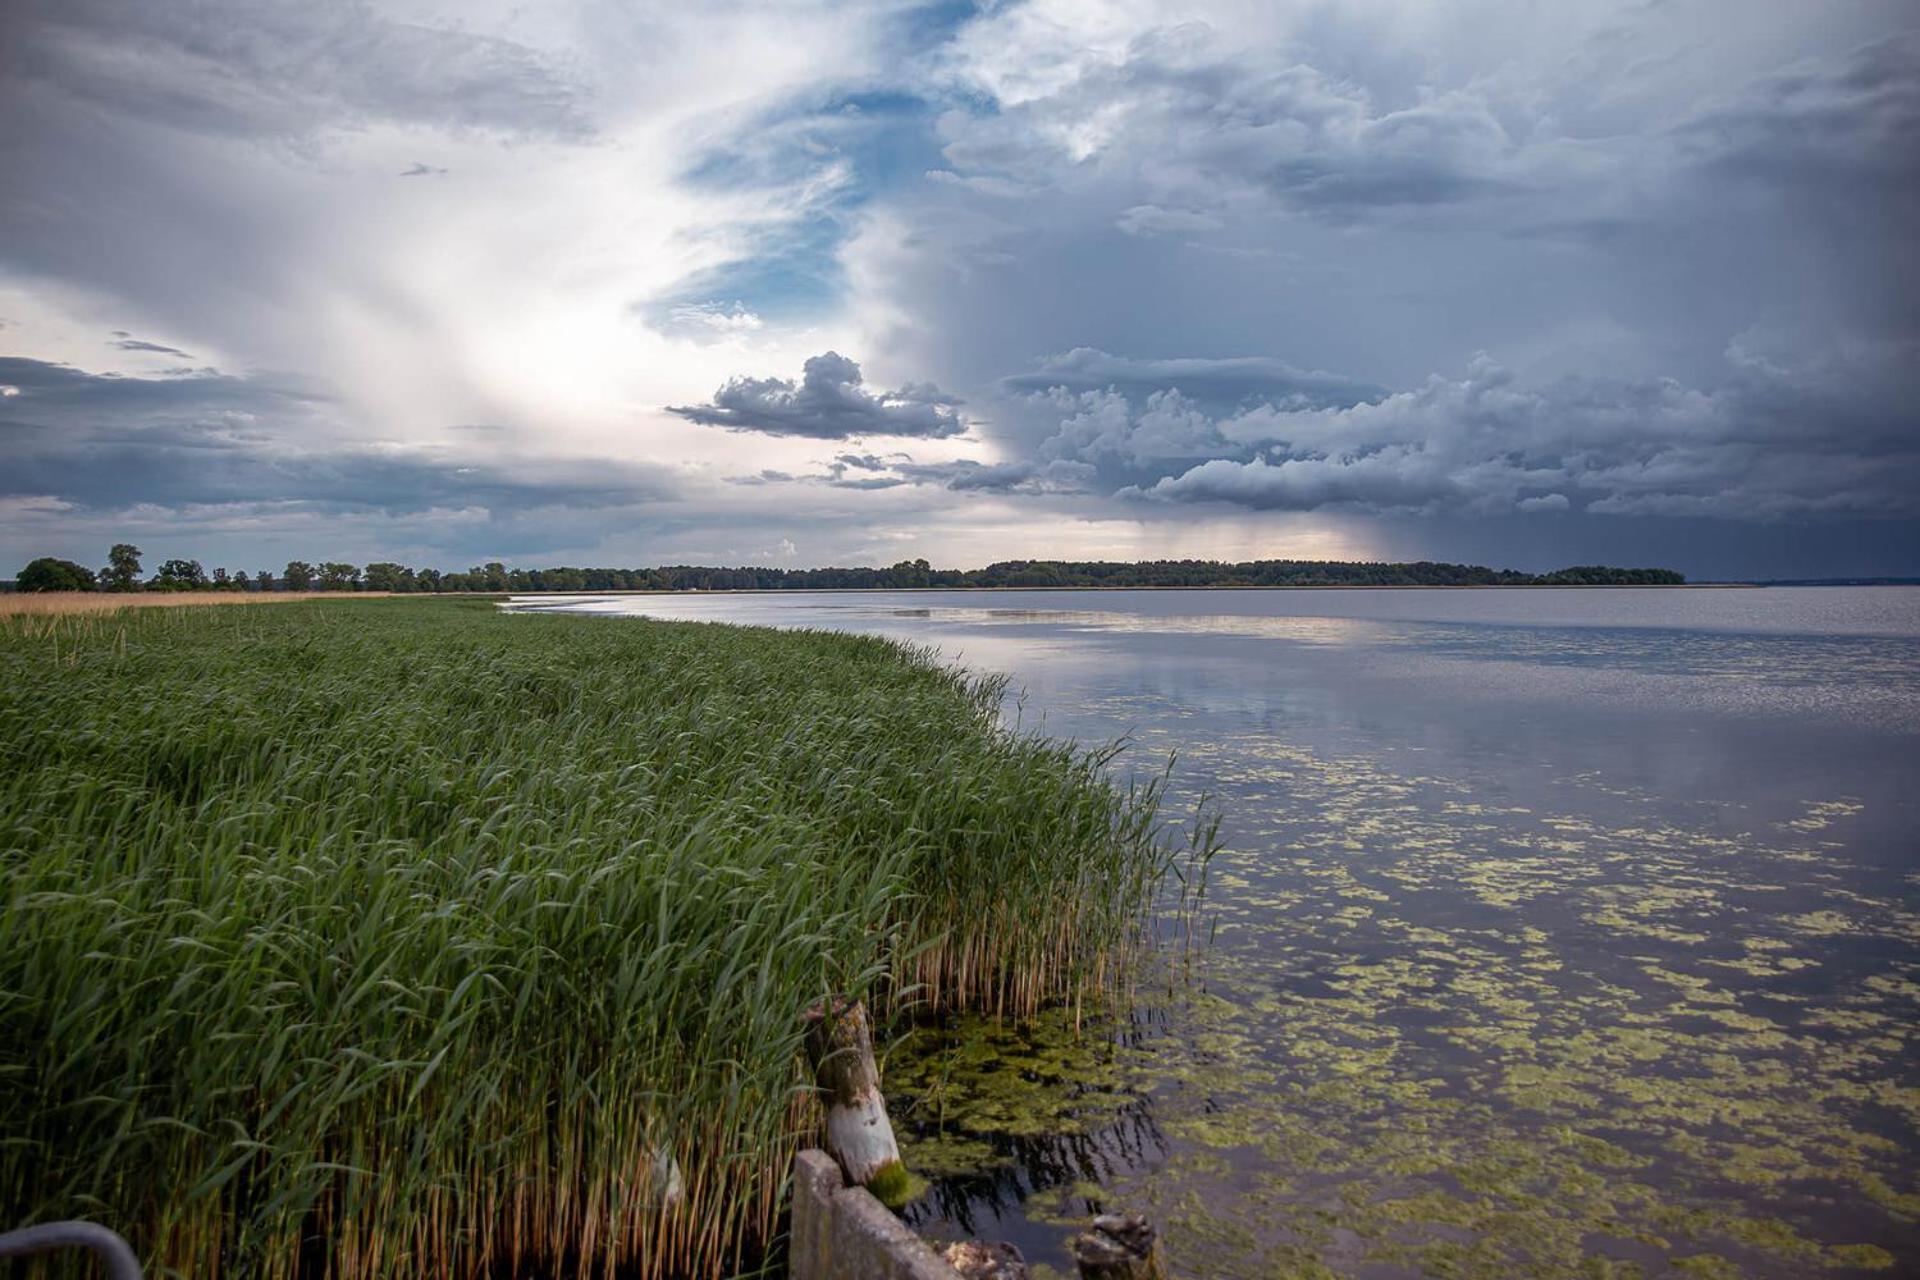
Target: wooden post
859,1135
1120,1247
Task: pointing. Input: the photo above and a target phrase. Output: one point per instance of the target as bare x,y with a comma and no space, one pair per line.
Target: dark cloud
419,170
1821,438
1210,120
59,394
1052,476
1848,118
98,442
135,344
285,67
1230,378
836,473
829,403
834,477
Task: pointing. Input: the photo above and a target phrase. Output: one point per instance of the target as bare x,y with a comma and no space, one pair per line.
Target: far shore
15,603
1295,586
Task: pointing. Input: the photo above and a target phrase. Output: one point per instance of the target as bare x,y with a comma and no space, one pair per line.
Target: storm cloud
1229,378
830,402
1625,281
1762,446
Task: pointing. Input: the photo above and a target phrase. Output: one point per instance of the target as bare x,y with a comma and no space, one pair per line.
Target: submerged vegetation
1438,1035
390,937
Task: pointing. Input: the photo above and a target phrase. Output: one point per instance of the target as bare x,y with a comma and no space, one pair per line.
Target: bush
49,574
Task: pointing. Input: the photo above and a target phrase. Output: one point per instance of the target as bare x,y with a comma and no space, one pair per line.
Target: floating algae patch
1446,1036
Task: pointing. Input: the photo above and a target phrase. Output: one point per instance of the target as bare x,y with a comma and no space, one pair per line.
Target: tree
123,568
263,580
179,575
298,576
384,575
910,573
241,582
222,580
335,576
49,574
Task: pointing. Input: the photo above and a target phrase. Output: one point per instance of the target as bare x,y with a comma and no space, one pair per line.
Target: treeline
123,573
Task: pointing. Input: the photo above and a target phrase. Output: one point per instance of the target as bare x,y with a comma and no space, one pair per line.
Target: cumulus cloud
1105,426
830,402
1762,445
1383,480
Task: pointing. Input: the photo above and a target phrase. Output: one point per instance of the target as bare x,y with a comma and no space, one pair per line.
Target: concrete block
843,1233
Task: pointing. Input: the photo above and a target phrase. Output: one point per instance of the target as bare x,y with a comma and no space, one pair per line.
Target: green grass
363,938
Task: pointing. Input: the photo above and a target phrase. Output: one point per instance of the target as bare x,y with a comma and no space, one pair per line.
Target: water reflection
1557,934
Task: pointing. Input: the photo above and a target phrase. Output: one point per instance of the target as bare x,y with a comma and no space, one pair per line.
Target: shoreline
1303,586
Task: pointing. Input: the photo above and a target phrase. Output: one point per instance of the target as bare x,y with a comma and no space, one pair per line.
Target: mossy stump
859,1135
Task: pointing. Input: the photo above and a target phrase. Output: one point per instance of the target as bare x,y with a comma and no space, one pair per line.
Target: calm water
1556,933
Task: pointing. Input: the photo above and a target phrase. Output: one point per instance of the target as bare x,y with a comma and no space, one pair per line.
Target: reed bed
62,603
373,938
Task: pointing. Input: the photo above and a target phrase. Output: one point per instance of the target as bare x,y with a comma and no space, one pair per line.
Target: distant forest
123,573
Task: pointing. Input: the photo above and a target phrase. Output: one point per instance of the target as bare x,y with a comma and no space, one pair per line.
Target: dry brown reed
61,603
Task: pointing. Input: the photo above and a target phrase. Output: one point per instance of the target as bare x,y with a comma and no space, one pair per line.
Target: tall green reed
381,937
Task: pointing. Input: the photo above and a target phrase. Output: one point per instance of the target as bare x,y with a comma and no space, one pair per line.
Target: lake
1555,932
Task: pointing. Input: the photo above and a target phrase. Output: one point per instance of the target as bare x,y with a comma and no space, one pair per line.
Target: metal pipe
121,1262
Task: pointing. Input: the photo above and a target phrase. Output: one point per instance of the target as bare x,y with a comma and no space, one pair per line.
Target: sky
596,282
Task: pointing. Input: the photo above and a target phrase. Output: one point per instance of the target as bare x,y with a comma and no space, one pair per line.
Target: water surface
1557,932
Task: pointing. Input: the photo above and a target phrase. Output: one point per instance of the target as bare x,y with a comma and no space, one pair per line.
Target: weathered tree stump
976,1261
859,1135
1120,1247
